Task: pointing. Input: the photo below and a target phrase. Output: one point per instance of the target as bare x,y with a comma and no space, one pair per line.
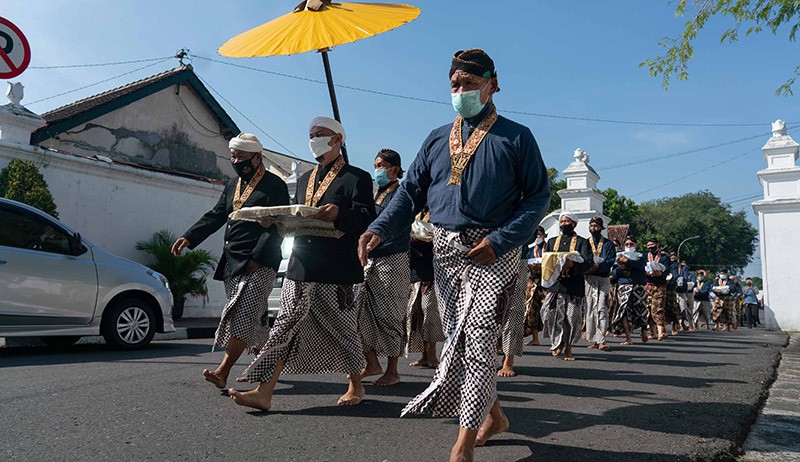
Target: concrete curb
181,333
776,433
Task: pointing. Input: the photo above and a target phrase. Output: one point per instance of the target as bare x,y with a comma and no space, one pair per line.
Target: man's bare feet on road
533,342
368,372
250,398
353,396
491,427
387,380
569,358
506,372
214,377
461,454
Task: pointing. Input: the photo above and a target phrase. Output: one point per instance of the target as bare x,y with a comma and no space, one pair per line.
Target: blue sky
577,59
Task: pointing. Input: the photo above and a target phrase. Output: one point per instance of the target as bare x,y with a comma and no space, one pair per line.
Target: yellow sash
312,199
461,154
239,198
382,196
596,250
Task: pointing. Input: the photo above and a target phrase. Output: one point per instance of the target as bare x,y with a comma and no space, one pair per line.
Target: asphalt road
691,398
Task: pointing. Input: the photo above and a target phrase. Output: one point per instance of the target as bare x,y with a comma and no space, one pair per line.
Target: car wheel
60,341
128,324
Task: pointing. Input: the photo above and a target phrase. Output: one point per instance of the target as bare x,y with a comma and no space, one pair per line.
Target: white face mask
630,249
538,241
319,145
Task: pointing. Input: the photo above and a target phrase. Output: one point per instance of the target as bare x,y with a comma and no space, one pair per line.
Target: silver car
58,286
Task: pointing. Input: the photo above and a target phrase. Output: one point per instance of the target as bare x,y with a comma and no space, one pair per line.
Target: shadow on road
42,356
540,452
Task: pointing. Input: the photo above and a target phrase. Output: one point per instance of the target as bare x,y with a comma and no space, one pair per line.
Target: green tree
186,273
556,185
22,182
758,282
748,17
620,209
726,237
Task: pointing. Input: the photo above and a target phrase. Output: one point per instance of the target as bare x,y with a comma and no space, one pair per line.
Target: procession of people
454,254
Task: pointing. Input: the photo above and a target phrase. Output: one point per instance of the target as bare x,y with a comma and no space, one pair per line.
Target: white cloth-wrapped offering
422,231
291,220
633,256
534,261
653,266
722,290
690,285
598,260
553,264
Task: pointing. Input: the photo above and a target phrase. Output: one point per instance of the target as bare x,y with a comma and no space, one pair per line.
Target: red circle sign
15,52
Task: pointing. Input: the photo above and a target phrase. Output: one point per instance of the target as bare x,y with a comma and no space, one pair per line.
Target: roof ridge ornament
15,93
779,128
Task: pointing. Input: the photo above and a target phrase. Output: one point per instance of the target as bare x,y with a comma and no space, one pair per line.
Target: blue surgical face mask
381,177
468,103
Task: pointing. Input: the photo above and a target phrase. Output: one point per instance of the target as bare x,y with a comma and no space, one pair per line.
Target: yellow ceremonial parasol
319,25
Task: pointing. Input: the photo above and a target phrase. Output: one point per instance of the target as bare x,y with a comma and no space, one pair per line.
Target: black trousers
751,314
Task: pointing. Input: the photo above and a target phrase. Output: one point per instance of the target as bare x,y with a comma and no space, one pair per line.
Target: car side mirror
75,244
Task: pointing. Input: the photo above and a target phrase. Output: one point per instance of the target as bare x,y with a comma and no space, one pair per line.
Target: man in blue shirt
750,293
685,296
702,300
487,188
598,284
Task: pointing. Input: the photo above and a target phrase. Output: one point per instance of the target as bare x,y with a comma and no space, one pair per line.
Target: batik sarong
671,309
656,303
612,301
534,297
315,333
562,318
723,310
686,304
513,334
632,305
702,309
423,322
473,300
382,303
597,288
245,315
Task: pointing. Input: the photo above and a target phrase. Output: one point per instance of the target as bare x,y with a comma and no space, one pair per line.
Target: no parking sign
15,52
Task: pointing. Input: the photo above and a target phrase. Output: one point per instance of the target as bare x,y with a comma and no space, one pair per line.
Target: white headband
331,124
245,145
568,215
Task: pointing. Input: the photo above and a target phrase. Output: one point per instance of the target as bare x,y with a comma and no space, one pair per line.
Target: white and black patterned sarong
315,333
513,334
597,288
562,317
473,300
245,315
382,303
423,322
632,305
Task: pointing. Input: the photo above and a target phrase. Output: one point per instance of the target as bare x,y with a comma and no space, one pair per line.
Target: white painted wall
114,206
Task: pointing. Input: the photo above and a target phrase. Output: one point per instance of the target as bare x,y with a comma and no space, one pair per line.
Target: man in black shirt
250,257
316,329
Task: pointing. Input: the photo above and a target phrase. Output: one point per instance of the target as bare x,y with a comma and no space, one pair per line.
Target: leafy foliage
21,181
620,209
186,273
727,239
749,17
555,186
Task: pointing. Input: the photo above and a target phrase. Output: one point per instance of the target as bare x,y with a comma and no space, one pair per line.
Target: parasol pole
332,92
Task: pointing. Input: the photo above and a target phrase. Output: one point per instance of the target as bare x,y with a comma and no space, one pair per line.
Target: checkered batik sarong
382,303
245,315
656,302
474,301
315,333
723,310
562,316
672,310
597,288
513,333
423,322
631,305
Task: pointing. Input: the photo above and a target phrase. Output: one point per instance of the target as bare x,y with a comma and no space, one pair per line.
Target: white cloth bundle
690,285
535,261
653,266
553,264
724,290
422,231
291,220
630,255
599,260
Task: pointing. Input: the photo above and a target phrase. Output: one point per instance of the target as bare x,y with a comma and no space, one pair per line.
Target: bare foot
491,427
627,342
604,347
215,378
367,372
250,398
506,372
387,380
353,396
533,342
663,337
242,379
645,337
592,345
569,358
433,363
556,352
419,363
461,454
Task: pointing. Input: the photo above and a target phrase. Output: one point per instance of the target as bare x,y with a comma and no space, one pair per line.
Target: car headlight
159,277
